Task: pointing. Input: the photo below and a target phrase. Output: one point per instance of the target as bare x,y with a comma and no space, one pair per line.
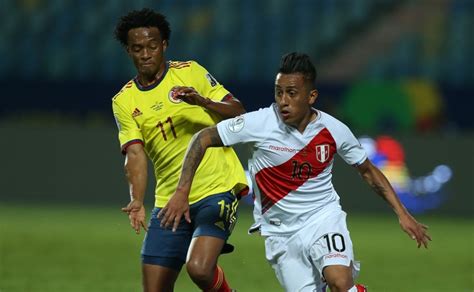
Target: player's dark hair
141,18
298,63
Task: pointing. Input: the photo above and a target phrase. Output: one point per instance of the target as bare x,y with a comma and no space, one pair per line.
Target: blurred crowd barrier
82,164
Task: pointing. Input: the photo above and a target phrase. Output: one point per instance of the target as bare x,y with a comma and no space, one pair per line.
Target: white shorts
299,259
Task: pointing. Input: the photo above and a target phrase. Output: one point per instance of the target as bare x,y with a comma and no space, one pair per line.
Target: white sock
353,289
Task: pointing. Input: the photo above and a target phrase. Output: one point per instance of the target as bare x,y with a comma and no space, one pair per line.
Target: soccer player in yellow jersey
157,113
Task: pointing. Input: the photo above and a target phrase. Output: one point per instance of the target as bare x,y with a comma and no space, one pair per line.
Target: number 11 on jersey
162,128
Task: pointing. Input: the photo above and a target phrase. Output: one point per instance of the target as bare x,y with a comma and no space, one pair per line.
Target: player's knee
199,272
340,284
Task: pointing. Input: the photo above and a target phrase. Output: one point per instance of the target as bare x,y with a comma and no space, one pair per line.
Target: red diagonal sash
278,181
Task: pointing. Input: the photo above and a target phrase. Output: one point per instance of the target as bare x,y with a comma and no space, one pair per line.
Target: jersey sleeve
207,85
129,133
348,147
248,127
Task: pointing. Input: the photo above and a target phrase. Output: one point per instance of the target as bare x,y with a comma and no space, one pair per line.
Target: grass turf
78,248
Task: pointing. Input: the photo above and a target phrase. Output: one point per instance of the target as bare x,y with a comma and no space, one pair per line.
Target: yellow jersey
165,125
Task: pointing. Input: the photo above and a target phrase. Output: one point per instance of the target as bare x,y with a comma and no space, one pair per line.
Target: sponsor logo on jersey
136,113
236,124
335,255
283,148
322,152
211,79
173,96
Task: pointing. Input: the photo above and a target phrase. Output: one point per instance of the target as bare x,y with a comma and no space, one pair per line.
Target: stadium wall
82,164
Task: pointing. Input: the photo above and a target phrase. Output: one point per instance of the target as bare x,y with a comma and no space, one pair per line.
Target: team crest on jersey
236,124
322,152
211,79
173,96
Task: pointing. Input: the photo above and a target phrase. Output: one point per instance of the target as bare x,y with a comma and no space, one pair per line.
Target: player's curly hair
141,18
298,63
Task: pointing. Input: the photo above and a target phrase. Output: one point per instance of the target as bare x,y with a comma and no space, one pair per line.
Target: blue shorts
214,216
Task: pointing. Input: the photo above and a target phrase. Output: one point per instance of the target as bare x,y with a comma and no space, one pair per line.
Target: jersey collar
157,82
310,124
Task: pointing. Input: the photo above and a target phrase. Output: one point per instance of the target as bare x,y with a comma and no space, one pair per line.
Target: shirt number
301,171
162,128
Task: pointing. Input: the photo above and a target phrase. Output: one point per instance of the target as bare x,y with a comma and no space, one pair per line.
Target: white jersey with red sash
291,171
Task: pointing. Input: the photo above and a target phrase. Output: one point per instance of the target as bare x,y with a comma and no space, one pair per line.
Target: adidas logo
220,224
136,113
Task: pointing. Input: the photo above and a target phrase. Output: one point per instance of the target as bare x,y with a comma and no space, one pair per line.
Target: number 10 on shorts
335,242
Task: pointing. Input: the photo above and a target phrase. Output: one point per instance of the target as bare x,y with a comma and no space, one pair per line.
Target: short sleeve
348,147
246,128
129,133
207,85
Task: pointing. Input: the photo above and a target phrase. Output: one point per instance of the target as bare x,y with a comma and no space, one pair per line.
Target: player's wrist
402,213
206,101
133,198
183,190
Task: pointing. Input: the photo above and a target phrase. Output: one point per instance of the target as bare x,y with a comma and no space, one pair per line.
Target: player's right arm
136,173
131,142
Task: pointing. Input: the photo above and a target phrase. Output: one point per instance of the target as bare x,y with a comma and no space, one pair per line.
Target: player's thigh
333,246
204,251
163,247
158,279
214,218
339,274
292,267
215,215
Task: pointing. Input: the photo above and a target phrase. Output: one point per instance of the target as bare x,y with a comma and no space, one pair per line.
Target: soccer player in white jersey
296,207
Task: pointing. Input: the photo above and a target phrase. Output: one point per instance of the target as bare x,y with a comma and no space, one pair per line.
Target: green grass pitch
79,248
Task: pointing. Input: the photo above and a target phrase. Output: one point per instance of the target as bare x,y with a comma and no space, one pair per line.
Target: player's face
146,48
294,97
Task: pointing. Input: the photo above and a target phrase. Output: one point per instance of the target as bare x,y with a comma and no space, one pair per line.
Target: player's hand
189,95
171,214
136,214
415,230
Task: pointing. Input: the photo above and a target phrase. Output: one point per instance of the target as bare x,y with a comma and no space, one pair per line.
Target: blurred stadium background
400,73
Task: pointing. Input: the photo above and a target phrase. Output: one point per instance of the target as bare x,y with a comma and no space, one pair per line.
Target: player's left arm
380,184
178,205
228,107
